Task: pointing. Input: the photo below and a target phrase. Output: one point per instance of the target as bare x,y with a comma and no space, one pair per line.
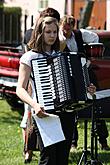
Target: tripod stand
94,158
85,151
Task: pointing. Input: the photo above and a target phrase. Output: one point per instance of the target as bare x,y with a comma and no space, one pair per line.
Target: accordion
62,82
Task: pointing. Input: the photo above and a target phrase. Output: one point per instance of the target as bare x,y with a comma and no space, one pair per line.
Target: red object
9,62
94,49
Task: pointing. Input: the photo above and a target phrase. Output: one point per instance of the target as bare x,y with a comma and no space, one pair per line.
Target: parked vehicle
9,65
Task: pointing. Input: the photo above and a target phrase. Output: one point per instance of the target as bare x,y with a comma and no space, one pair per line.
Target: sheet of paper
103,94
100,94
50,129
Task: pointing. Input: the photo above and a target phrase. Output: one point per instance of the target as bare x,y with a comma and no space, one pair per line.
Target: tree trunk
86,14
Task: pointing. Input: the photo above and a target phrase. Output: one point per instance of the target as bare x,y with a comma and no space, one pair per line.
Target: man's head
51,12
67,24
48,12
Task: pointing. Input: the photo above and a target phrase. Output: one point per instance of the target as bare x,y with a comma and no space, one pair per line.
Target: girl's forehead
51,25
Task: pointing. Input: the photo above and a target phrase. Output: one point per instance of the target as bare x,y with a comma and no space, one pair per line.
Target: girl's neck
48,48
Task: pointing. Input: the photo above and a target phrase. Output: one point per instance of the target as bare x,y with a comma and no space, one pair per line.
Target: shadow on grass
10,117
102,157
10,120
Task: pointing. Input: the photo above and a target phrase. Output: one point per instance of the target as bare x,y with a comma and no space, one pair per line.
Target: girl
45,40
27,152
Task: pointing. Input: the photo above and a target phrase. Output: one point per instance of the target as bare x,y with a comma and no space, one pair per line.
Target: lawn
11,143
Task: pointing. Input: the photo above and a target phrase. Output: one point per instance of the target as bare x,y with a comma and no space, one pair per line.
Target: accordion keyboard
43,85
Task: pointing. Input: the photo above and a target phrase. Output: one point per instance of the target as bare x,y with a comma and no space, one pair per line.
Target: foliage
11,10
11,142
10,19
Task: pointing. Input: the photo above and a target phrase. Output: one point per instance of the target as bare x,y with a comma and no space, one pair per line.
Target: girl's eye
48,31
55,32
51,32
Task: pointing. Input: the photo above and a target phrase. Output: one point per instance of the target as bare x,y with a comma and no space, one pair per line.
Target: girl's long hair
37,42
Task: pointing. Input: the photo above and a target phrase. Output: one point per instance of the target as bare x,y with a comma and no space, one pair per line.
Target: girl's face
50,34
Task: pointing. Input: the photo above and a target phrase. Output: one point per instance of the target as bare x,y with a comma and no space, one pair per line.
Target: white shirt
26,59
87,36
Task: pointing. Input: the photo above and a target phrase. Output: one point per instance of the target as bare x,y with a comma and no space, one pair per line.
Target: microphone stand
85,152
94,155
93,152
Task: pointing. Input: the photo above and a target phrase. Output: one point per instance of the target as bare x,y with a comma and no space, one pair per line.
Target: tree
86,14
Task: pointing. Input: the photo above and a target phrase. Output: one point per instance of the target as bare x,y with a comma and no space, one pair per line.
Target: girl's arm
24,75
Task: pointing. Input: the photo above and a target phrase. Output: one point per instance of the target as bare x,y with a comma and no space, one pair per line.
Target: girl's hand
39,111
91,89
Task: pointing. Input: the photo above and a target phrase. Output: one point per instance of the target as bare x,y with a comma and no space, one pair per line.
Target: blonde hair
69,19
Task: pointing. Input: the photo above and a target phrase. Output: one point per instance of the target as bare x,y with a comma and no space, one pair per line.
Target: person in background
27,109
73,40
45,40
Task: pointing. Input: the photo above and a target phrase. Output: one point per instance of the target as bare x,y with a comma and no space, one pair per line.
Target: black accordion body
60,83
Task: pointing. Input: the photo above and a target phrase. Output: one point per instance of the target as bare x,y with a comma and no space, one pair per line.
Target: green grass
11,142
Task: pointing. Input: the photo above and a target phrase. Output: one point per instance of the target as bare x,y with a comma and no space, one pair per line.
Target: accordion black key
62,82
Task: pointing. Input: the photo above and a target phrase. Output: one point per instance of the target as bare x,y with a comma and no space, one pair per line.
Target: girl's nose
52,34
